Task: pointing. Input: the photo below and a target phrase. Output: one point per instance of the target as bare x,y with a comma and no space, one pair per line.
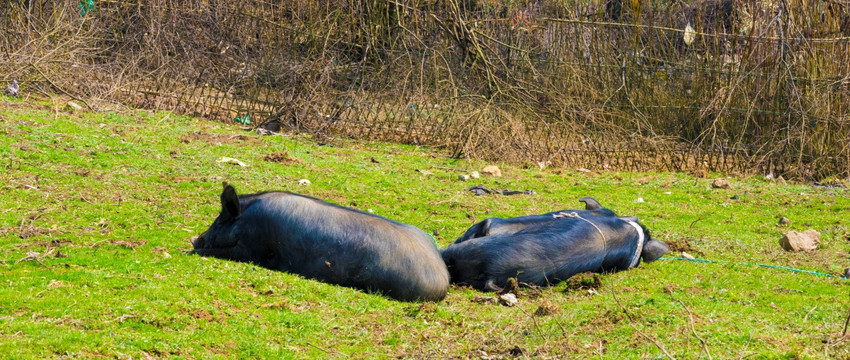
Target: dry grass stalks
764,86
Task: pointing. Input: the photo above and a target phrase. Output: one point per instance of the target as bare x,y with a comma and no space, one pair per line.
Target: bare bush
763,86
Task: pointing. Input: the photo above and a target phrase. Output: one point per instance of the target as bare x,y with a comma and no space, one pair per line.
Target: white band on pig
639,249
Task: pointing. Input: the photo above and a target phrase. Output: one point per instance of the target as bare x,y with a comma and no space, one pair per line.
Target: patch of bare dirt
546,308
30,231
202,314
584,281
277,305
130,244
682,245
215,139
52,244
281,157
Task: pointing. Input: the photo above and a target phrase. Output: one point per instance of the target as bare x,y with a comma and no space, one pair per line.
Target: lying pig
309,237
496,226
547,253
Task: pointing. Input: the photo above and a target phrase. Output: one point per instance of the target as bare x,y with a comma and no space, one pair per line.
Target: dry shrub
603,84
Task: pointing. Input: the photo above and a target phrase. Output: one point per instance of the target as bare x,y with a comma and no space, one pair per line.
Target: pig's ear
590,203
485,228
653,250
230,202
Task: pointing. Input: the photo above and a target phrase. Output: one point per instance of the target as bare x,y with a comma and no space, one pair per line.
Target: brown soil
546,308
281,158
214,139
128,243
583,281
681,245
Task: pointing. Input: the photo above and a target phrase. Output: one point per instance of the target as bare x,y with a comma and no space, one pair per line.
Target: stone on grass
73,106
303,182
721,184
463,177
474,175
491,170
507,299
805,241
784,221
12,90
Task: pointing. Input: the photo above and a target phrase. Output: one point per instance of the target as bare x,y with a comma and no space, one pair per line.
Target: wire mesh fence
720,85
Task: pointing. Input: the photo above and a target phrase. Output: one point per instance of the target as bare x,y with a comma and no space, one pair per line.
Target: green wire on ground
704,261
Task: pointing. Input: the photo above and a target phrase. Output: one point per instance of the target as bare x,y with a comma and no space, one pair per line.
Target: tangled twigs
35,256
59,87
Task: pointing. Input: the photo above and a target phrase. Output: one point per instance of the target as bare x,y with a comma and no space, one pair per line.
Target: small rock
436,232
780,180
639,200
303,182
474,175
686,255
425,172
784,221
768,177
734,197
73,106
720,184
463,177
805,241
166,255
812,233
517,351
507,299
491,170
583,170
12,90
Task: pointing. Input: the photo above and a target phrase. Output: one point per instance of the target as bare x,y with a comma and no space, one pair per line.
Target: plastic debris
230,160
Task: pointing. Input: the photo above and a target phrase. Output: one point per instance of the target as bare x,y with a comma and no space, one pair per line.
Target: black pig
546,253
309,237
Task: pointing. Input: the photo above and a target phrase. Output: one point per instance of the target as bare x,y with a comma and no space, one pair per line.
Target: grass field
98,209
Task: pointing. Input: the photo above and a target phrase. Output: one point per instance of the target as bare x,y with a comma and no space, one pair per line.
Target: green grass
110,202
